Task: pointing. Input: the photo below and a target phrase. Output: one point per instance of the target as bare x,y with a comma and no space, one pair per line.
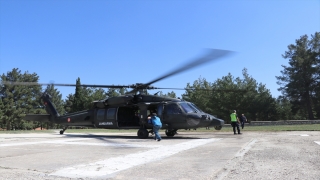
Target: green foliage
56,99
79,99
68,103
84,96
169,94
93,94
1,112
300,80
18,100
299,84
113,92
224,95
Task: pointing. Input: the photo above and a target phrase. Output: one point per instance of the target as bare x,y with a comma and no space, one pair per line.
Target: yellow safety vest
233,117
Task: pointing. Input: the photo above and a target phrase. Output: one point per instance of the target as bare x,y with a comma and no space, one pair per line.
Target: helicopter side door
147,109
173,116
160,108
106,118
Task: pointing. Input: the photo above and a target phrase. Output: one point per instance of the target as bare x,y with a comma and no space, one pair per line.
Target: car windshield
189,107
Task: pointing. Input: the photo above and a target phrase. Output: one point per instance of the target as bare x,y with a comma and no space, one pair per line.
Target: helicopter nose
193,119
216,122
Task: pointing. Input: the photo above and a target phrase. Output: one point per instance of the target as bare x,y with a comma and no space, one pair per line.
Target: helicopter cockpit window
111,113
188,108
100,114
173,109
196,107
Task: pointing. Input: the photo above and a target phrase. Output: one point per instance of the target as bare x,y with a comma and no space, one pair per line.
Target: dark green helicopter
130,111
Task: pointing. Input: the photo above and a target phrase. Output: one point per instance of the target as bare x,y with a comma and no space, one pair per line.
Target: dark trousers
156,129
242,124
234,125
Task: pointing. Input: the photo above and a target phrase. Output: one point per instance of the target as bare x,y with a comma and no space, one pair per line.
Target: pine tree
56,99
79,98
300,80
19,100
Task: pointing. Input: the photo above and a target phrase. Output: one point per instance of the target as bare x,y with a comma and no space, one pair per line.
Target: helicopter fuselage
131,112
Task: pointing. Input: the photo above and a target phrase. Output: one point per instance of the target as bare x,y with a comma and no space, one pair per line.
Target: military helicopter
130,111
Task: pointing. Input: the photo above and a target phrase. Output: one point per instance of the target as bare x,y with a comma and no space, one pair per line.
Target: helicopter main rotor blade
211,90
212,54
71,85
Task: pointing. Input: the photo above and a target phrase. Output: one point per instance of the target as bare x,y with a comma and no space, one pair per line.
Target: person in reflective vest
235,122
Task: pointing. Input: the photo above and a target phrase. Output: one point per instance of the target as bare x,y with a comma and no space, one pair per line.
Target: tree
68,103
88,95
113,92
284,109
224,95
300,80
79,100
1,112
93,94
56,99
18,100
171,94
199,93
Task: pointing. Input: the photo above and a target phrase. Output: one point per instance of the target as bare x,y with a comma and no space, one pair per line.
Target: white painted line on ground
116,164
304,135
318,142
107,144
246,148
78,143
222,174
41,142
298,134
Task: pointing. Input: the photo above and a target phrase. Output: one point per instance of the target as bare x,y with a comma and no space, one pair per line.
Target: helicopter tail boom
50,109
38,117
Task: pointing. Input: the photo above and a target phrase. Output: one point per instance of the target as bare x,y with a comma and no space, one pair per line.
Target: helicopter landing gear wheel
64,129
171,133
143,133
218,127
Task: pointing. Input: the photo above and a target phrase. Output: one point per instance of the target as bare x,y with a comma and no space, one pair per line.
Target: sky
123,42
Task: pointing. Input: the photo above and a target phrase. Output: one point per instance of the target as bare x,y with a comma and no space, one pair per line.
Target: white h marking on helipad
116,164
318,142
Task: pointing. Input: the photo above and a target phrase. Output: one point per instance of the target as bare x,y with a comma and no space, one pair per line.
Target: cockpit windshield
190,107
198,109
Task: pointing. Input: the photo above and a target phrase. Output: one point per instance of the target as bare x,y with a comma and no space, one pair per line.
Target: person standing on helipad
243,119
235,122
156,126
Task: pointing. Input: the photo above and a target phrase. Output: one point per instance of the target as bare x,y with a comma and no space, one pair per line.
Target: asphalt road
188,155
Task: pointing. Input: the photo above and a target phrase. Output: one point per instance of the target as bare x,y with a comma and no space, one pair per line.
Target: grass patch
26,131
303,127
300,127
